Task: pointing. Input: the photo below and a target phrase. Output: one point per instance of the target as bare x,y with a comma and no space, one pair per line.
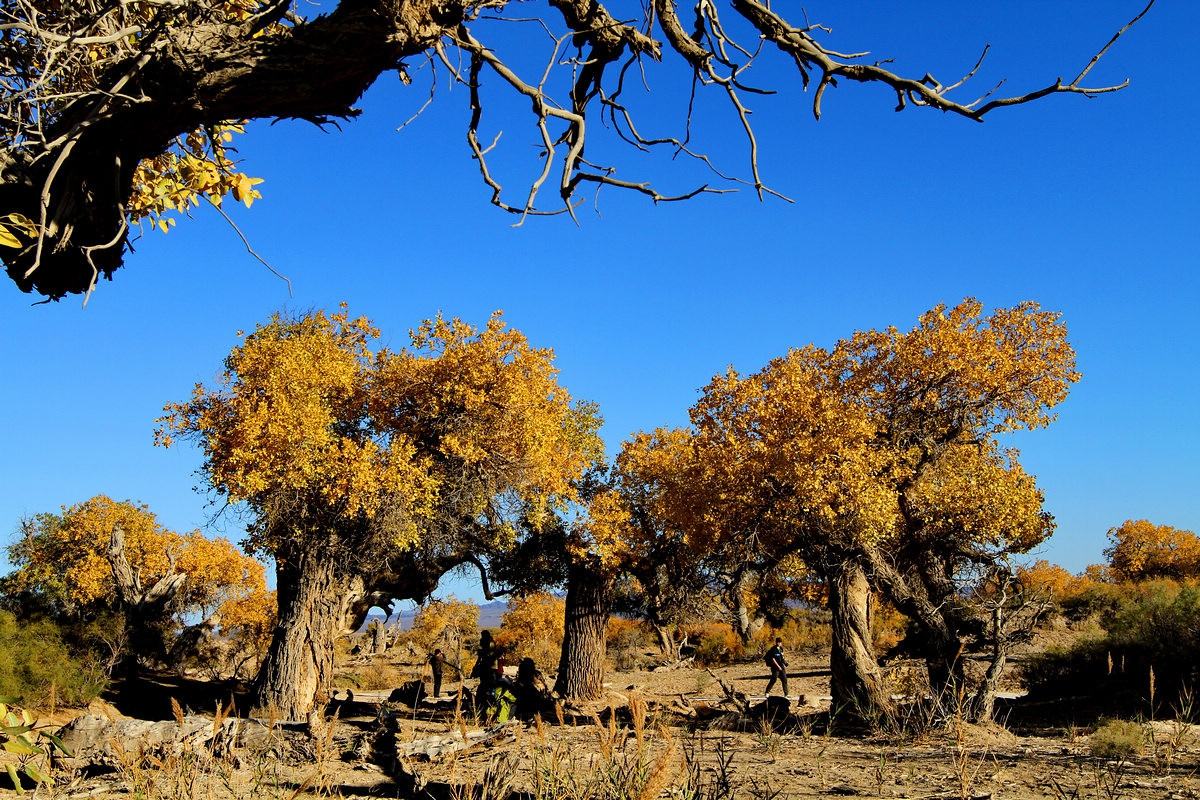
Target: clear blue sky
1088,207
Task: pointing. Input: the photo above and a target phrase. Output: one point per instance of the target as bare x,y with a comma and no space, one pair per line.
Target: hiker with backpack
778,666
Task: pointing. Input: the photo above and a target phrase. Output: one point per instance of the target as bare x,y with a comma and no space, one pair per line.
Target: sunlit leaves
449,428
1141,550
11,225
196,167
887,434
64,558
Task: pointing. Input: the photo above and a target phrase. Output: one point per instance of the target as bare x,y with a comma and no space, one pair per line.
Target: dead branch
91,89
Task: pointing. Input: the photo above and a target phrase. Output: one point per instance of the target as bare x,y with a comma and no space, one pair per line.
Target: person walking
778,666
436,662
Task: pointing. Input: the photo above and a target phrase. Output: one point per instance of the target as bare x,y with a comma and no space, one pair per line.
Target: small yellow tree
71,561
448,624
1141,550
532,627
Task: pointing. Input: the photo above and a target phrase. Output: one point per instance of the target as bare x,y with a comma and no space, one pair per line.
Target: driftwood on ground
434,747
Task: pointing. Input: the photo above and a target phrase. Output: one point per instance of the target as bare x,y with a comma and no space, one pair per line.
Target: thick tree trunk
745,624
295,679
581,665
856,682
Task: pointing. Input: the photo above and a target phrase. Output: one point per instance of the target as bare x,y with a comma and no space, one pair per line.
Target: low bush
38,669
375,676
1147,628
1117,740
716,643
804,632
450,624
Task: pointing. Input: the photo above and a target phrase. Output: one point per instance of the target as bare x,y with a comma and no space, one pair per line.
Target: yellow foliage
69,553
1053,582
888,431
488,405
308,415
715,643
445,623
982,496
250,619
532,627
785,452
197,165
1141,550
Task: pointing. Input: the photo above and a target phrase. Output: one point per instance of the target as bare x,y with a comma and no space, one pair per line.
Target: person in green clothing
778,666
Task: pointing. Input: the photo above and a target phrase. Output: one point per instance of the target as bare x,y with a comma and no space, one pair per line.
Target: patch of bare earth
541,758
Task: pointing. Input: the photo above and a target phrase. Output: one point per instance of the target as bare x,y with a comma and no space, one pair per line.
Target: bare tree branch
91,89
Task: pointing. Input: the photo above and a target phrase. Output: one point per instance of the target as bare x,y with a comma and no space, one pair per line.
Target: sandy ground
959,762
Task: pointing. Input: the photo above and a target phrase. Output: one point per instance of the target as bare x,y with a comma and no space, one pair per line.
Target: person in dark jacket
437,662
778,666
485,662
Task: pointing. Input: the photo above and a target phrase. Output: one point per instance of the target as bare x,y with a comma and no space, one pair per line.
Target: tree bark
581,665
745,624
147,611
193,75
295,679
856,682
666,641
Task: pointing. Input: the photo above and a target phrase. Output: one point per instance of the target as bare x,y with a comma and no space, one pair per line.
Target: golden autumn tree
790,467
351,459
875,463
665,574
1050,580
449,624
1141,550
105,555
115,111
532,627
939,395
673,565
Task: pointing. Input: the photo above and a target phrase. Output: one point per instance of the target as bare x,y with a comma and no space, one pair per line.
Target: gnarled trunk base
856,682
295,679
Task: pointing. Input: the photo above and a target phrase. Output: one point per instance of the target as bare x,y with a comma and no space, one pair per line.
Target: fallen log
434,747
96,741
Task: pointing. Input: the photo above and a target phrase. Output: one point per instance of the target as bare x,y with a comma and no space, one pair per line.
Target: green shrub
38,669
1146,626
1117,740
28,746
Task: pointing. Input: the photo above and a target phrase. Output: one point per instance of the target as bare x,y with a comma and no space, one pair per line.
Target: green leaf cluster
21,736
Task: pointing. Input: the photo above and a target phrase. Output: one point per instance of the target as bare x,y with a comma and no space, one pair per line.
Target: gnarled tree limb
89,89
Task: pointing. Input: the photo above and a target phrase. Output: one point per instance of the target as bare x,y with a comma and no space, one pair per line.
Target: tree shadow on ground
149,695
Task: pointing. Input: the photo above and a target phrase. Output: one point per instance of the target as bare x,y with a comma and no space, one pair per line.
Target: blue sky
1088,207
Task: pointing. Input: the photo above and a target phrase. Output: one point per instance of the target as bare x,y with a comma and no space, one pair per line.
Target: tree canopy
1141,550
114,113
64,560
